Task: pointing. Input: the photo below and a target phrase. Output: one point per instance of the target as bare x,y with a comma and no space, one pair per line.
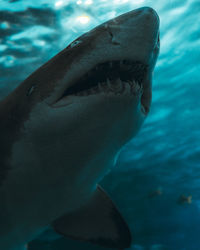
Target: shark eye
73,44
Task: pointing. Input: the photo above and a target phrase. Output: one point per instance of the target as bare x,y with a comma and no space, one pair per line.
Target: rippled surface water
165,155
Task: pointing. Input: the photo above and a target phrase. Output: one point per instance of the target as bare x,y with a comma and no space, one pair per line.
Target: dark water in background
165,155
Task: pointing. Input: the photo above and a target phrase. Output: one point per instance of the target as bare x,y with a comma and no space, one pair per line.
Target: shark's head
92,97
118,53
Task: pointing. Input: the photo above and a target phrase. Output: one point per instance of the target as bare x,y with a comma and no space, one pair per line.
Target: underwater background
156,183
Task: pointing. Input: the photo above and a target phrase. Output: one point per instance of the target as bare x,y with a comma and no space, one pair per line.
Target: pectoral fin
98,222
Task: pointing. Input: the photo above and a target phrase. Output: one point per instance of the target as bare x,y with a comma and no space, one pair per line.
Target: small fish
155,193
183,199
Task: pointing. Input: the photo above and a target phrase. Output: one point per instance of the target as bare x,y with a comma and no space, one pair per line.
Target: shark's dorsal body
63,128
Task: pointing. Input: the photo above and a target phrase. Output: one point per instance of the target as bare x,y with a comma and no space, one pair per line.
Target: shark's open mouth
109,77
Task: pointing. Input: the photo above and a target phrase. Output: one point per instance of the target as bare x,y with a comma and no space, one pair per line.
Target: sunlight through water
165,155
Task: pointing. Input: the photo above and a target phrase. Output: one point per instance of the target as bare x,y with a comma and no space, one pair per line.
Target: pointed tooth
108,82
135,87
103,86
143,109
129,88
106,88
130,83
120,86
118,81
140,87
100,87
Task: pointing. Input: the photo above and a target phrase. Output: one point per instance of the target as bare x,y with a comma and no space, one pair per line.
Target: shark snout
130,38
136,34
149,13
144,14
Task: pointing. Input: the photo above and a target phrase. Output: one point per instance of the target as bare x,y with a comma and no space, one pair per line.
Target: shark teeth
116,87
136,88
113,76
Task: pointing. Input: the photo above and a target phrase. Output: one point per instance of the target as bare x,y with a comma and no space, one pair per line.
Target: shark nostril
109,30
113,40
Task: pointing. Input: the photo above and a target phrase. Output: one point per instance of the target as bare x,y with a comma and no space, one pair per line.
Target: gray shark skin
63,128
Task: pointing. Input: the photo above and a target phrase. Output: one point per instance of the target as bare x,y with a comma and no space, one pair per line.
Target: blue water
165,155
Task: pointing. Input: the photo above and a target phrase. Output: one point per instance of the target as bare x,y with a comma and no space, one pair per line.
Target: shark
63,128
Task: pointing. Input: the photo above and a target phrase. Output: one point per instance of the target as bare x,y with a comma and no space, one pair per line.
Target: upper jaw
108,73
114,77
